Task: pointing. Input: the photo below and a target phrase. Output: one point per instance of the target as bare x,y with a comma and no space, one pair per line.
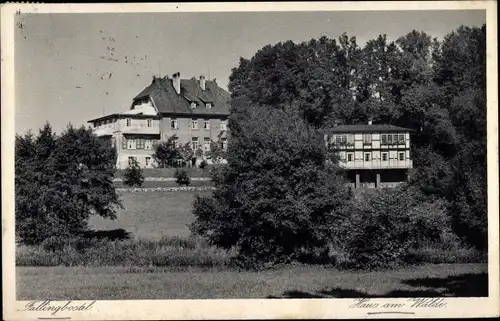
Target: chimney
370,122
202,82
176,82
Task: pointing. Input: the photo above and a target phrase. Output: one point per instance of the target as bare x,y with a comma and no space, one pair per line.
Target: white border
250,309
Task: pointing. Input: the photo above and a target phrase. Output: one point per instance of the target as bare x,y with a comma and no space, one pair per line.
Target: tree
277,200
186,153
166,152
133,174
216,153
61,181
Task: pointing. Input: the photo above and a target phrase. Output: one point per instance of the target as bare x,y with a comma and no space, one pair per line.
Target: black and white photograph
233,153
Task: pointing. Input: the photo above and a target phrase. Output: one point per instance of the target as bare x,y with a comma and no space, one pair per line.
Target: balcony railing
141,129
105,130
377,164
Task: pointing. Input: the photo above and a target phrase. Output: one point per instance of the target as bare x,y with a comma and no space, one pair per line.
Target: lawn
149,184
121,283
152,215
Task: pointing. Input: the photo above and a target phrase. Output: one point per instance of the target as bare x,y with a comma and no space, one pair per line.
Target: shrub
383,230
133,174
203,164
182,177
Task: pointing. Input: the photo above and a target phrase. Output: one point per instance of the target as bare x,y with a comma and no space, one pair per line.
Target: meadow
152,215
158,259
300,281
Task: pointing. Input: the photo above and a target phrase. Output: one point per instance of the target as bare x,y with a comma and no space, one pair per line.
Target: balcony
105,130
377,164
142,128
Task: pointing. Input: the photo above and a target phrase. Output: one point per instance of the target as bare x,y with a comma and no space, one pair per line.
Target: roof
167,101
364,128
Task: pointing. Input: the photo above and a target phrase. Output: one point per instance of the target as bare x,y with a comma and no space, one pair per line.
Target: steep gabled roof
377,128
167,101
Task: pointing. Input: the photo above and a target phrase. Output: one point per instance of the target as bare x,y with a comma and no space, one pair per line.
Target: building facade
195,111
373,156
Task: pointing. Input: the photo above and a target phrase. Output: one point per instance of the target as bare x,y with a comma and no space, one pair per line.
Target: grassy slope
108,283
152,215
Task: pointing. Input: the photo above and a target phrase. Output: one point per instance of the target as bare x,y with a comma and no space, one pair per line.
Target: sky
73,67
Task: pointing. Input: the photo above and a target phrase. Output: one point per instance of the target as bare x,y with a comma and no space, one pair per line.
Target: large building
194,110
372,155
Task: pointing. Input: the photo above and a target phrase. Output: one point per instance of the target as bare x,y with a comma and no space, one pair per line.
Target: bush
384,230
133,174
276,198
182,177
203,164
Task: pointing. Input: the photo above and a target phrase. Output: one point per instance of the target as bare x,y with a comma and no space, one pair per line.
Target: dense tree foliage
436,88
166,152
60,181
277,198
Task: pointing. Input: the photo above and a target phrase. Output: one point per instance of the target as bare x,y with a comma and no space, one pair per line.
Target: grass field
170,172
148,184
121,283
152,215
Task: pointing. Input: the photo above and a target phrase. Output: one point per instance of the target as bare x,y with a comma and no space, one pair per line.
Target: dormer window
208,105
193,105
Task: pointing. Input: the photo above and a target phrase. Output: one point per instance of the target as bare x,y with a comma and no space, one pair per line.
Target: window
401,156
206,144
389,139
193,105
147,144
350,139
194,143
150,122
223,143
367,157
350,157
194,123
113,142
401,139
208,105
131,144
124,143
206,124
384,139
173,123
131,159
367,139
223,125
344,139
385,156
129,122
176,142
148,161
140,144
